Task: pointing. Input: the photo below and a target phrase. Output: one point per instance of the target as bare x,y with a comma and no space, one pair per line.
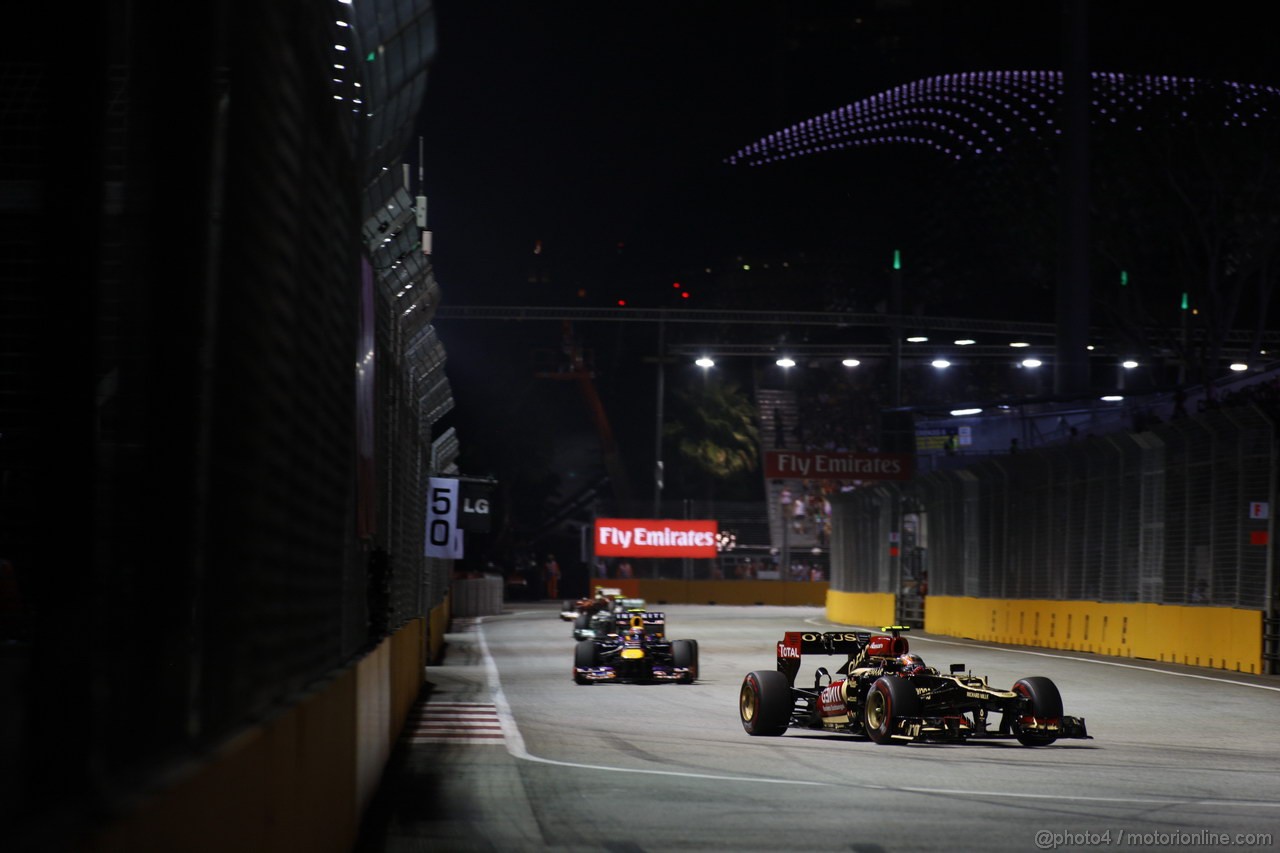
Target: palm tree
715,433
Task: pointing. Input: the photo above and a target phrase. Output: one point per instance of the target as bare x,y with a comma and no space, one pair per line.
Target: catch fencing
1176,514
212,498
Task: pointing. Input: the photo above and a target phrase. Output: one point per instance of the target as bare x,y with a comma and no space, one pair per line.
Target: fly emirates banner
814,465
647,537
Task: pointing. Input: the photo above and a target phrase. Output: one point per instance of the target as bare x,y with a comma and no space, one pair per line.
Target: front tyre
1045,704
584,657
765,703
889,700
684,654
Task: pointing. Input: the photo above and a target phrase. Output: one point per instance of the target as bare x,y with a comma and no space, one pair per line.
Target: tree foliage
714,432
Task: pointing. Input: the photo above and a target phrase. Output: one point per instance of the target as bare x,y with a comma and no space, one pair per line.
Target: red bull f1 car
634,647
888,694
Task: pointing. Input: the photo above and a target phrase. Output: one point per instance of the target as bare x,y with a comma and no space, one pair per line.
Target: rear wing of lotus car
857,646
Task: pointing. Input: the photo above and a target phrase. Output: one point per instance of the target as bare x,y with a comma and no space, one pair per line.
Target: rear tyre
1046,704
888,701
584,657
684,653
765,703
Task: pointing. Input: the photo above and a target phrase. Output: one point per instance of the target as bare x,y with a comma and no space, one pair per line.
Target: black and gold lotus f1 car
888,694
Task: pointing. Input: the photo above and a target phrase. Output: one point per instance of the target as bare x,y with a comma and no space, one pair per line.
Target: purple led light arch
978,112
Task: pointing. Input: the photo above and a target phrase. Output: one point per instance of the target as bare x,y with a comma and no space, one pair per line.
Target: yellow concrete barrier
1216,637
866,609
296,782
438,626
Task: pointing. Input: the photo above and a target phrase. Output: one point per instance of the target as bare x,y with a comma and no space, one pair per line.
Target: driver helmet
911,664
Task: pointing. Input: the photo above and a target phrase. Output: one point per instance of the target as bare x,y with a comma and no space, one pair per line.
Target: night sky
599,133
589,125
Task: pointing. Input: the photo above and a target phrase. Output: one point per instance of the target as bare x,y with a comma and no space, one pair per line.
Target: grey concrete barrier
477,596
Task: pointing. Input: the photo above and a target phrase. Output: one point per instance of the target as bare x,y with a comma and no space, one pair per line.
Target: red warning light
684,295
622,302
675,284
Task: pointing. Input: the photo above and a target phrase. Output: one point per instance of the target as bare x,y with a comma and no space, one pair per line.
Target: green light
371,57
1184,301
1124,278
897,259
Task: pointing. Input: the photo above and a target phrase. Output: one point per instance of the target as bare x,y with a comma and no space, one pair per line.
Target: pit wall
792,593
299,781
1215,637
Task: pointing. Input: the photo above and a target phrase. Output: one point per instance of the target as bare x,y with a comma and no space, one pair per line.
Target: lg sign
644,537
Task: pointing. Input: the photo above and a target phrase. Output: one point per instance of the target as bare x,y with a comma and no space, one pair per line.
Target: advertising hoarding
647,537
819,465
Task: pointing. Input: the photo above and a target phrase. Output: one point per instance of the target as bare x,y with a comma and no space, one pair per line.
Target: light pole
895,330
784,567
661,360
657,451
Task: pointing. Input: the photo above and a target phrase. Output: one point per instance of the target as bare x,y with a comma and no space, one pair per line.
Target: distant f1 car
634,648
888,694
603,598
597,617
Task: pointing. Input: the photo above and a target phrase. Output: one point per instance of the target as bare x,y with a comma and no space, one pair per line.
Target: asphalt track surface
506,753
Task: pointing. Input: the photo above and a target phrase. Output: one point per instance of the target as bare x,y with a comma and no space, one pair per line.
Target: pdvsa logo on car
646,537
833,695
